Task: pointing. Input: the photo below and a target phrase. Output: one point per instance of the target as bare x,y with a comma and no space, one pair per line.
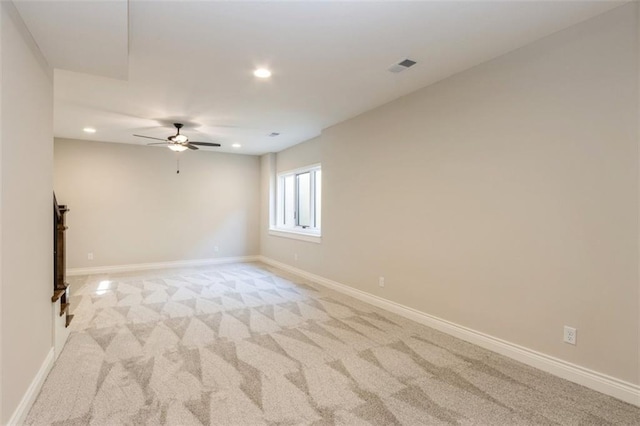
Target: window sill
296,235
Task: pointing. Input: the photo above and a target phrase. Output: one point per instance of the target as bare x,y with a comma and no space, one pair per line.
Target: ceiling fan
178,142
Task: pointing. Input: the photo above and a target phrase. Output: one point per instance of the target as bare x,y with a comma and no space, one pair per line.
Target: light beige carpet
246,345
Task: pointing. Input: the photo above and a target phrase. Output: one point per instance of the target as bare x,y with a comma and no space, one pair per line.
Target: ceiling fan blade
190,146
149,137
205,143
158,143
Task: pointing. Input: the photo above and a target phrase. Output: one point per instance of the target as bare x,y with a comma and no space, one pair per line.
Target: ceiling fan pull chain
178,163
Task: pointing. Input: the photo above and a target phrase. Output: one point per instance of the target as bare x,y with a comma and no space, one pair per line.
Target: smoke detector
402,65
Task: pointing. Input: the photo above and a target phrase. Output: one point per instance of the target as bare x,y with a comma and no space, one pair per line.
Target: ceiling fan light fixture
177,147
178,142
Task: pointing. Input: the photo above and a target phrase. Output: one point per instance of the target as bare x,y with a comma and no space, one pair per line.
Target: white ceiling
89,37
192,61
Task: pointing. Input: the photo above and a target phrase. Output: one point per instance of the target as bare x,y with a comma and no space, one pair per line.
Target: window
298,201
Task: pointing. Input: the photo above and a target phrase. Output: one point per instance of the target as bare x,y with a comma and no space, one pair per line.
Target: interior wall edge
1,257
638,144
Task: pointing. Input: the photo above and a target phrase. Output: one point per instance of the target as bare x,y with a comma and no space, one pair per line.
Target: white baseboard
29,397
608,385
159,265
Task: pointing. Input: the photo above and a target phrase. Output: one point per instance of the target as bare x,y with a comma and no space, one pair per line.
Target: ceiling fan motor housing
178,138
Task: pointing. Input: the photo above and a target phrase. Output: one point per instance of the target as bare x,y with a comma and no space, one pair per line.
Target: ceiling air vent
402,65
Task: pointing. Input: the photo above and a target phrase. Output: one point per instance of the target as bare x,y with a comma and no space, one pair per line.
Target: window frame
280,227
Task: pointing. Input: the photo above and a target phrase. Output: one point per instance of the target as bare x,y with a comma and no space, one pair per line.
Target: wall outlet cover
570,335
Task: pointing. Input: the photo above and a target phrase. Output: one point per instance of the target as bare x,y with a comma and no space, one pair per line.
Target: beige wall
26,170
504,198
128,205
300,155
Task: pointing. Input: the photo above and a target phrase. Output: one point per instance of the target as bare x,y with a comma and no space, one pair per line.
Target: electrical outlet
90,256
570,335
295,257
381,281
216,249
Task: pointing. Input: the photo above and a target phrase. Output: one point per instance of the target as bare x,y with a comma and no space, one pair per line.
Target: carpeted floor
244,344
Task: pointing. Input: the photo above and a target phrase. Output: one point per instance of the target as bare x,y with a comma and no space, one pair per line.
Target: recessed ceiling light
262,73
89,130
236,145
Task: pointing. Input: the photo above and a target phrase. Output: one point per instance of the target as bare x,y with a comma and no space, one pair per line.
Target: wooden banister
60,285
